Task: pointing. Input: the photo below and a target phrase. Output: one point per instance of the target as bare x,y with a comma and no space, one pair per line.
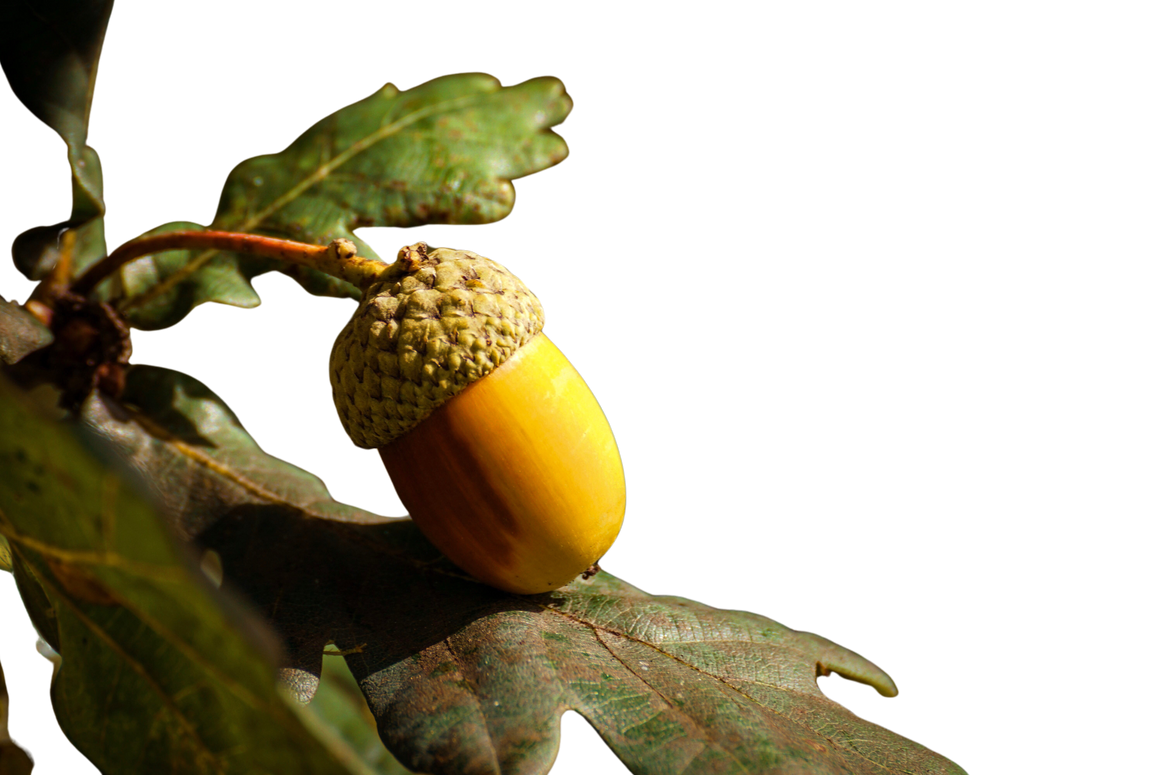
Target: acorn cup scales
494,443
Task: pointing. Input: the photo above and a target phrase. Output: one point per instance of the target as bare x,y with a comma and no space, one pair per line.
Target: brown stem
337,259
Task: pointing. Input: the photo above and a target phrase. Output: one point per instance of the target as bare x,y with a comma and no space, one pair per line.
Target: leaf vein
706,742
473,692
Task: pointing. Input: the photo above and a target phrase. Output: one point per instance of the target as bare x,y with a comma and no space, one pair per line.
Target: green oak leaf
160,672
49,51
446,151
443,152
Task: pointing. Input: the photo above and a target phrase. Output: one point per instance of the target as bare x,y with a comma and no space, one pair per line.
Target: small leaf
49,51
39,250
444,152
159,672
224,279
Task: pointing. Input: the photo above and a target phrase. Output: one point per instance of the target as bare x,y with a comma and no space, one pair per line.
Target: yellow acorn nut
494,443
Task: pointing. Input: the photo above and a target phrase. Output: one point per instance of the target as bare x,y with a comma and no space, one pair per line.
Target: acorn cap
436,321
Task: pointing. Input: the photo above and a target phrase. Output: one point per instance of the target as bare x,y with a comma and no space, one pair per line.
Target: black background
757,256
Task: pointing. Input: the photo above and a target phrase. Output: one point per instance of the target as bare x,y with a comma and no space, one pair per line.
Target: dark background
764,258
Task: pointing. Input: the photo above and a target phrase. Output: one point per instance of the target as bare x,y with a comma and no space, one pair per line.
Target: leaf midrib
694,668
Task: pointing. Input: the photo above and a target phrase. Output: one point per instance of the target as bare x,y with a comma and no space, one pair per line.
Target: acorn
495,445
